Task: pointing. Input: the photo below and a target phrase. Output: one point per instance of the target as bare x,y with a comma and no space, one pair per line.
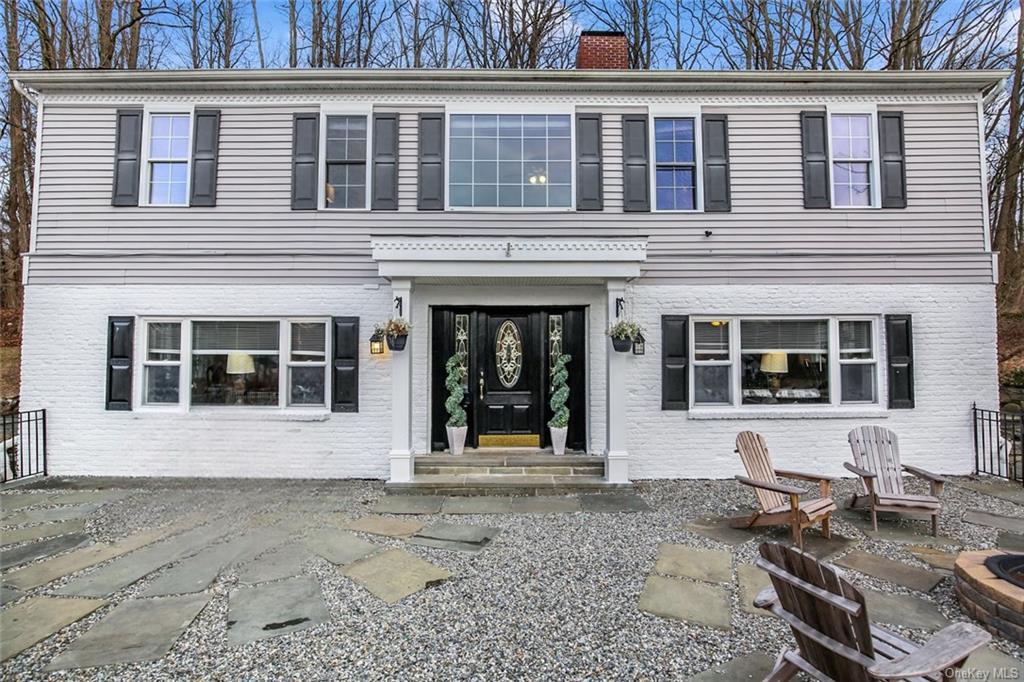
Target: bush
453,382
559,393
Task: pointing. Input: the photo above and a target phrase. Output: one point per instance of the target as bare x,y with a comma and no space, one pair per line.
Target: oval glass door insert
508,353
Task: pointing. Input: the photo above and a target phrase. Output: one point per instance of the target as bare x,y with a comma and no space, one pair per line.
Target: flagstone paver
455,536
1005,490
41,531
198,572
382,525
42,515
23,554
36,618
408,504
338,546
688,601
1012,542
936,558
35,575
751,580
545,504
477,505
1013,524
89,496
755,666
824,549
990,664
9,594
283,562
710,565
613,502
13,502
274,609
719,530
893,571
395,574
892,529
137,630
125,570
903,610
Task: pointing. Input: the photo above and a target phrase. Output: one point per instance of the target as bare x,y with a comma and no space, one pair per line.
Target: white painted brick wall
65,350
954,358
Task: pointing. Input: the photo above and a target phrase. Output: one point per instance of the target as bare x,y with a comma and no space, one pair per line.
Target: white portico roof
508,257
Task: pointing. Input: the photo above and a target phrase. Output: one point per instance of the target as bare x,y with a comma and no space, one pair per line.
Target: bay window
770,362
510,160
235,363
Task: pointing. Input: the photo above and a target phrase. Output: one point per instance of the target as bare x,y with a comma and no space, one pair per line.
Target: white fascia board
513,269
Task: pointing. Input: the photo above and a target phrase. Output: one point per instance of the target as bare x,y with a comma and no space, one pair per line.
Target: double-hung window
768,362
236,363
168,154
345,154
852,147
510,160
675,163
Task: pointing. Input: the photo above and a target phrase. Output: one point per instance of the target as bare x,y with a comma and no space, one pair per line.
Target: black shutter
385,162
814,143
120,342
635,175
716,163
430,196
589,195
127,157
204,158
894,165
305,170
345,364
675,362
899,342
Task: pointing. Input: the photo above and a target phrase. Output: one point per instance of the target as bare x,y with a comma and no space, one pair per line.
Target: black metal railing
999,443
23,444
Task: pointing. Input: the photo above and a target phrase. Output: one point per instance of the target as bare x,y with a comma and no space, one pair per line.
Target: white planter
558,439
456,439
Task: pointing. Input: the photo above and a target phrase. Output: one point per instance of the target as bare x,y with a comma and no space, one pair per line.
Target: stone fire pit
996,603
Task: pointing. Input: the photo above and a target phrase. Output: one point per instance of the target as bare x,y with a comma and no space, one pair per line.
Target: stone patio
284,579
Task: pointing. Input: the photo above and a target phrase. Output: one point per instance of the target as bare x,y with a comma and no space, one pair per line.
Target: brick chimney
603,50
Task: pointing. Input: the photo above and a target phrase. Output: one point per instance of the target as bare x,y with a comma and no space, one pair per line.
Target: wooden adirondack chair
876,452
780,503
835,640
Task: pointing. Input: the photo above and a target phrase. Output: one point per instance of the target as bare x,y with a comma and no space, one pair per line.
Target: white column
401,393
616,458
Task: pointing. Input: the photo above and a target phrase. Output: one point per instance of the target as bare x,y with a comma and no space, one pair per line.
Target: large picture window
769,362
510,160
236,363
168,158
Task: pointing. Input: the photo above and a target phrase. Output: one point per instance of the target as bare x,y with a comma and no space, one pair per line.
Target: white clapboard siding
253,234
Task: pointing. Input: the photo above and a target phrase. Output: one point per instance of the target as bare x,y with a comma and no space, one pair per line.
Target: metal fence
23,444
999,443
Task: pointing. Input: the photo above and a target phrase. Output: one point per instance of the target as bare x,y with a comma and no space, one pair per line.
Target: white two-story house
211,250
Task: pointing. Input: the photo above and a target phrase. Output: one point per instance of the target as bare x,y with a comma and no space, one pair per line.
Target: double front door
506,355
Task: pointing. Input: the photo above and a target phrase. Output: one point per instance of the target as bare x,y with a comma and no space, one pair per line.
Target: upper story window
510,160
168,158
853,163
675,159
345,159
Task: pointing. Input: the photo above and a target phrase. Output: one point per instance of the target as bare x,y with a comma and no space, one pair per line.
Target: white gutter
26,92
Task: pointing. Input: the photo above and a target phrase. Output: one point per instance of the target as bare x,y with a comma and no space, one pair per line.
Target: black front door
508,378
507,356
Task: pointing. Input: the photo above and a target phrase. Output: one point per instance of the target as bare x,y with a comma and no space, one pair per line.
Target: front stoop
506,472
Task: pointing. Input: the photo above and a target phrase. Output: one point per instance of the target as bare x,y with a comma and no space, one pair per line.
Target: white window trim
184,404
148,111
876,176
547,110
698,156
835,403
343,110
873,360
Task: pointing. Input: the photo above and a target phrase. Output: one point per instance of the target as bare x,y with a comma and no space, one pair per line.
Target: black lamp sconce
376,343
638,345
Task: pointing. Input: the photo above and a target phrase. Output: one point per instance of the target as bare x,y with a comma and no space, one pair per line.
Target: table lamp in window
239,365
775,364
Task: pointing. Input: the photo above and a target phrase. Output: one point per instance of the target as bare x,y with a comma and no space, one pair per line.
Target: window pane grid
345,160
162,364
510,160
168,158
675,164
851,159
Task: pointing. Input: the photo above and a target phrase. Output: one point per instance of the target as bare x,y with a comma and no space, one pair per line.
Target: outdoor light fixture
376,343
638,345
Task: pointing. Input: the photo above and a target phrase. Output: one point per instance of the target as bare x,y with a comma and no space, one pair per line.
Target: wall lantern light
376,343
638,345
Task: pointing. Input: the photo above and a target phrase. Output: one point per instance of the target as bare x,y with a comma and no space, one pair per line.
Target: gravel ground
553,598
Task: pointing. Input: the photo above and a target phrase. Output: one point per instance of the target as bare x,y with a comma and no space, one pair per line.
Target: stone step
502,484
528,463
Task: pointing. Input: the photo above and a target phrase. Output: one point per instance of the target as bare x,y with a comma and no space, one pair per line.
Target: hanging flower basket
396,342
623,334
396,332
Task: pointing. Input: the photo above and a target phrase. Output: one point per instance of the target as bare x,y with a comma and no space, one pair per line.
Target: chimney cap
603,33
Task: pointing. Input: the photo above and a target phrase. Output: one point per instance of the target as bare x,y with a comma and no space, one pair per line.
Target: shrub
559,393
453,382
